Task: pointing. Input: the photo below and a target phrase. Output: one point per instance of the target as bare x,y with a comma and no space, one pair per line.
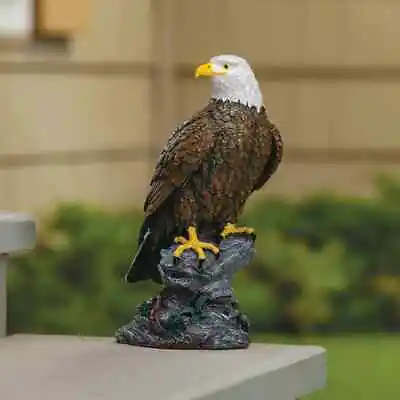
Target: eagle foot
194,243
232,229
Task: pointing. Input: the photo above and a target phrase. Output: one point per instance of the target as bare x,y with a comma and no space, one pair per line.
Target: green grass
364,367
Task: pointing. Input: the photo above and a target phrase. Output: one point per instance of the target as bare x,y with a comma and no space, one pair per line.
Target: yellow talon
231,229
194,244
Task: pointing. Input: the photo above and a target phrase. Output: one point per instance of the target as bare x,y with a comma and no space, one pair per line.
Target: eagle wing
274,159
186,149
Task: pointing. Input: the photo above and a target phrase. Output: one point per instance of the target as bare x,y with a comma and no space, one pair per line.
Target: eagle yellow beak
207,69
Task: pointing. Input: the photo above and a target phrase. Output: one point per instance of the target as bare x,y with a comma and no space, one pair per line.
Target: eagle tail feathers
144,260
153,237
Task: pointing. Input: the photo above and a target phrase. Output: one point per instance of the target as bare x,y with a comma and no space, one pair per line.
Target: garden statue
210,166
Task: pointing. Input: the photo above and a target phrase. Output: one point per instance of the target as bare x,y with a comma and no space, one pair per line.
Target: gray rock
196,308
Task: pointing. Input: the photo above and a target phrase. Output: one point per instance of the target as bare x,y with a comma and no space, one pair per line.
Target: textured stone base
196,309
216,325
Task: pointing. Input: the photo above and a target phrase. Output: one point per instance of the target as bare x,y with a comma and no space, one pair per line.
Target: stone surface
62,367
196,308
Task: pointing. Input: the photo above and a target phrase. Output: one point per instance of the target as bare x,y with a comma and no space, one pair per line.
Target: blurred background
89,93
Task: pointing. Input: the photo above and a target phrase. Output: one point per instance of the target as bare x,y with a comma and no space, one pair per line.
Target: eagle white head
232,79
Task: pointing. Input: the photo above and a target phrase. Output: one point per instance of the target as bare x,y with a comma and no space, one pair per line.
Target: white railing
17,233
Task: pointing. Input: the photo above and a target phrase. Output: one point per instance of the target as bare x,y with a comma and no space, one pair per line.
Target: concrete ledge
17,232
49,367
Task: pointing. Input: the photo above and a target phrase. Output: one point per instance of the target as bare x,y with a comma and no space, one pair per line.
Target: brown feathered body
208,169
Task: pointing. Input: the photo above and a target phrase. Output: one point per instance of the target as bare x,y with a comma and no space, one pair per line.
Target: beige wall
330,77
80,125
63,110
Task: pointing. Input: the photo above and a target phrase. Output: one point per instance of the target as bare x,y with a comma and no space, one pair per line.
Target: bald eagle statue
209,167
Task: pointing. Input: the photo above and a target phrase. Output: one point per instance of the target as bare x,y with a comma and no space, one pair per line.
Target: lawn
359,367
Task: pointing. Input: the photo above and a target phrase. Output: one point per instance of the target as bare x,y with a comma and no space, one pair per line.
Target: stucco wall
86,124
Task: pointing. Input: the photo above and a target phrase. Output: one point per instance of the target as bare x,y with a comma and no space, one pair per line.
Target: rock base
196,308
